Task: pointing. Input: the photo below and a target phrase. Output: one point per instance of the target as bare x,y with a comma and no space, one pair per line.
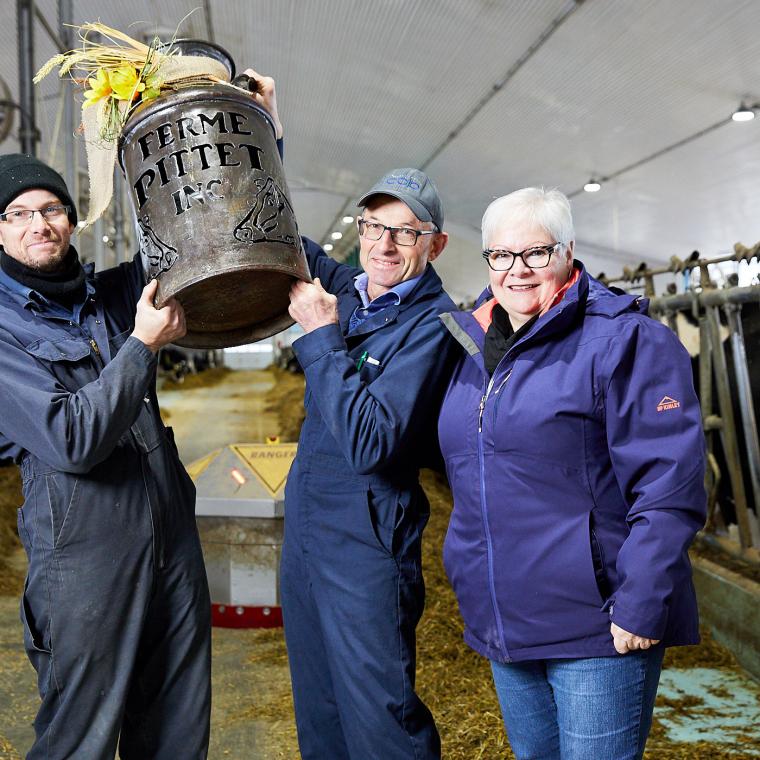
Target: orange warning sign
198,467
270,463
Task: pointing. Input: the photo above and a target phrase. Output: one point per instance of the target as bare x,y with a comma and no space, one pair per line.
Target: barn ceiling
489,96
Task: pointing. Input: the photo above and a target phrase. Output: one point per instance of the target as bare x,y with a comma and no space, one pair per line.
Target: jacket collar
32,299
428,285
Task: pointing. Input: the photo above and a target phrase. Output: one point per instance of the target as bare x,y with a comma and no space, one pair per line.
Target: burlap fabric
175,72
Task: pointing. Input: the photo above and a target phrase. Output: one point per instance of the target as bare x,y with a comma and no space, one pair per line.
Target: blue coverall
351,576
115,608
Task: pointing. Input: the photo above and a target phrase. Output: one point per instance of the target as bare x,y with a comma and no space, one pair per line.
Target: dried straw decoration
117,77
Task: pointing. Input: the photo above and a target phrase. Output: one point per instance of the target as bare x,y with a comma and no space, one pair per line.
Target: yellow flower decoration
100,87
152,87
125,83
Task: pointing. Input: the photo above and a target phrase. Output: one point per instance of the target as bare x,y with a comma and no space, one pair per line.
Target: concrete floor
729,712
232,411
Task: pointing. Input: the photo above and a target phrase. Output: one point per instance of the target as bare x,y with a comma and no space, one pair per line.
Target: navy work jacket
372,395
80,413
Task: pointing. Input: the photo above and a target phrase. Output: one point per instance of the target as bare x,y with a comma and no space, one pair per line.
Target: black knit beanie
19,173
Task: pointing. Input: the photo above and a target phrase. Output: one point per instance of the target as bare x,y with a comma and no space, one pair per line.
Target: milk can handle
246,82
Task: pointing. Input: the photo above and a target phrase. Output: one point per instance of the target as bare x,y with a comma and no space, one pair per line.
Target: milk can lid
203,48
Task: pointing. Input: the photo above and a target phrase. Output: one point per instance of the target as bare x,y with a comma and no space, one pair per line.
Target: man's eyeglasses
22,216
399,235
502,260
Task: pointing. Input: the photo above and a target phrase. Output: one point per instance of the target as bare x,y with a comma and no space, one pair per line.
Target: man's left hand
629,642
312,306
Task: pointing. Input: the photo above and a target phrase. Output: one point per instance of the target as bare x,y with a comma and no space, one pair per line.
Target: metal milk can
212,211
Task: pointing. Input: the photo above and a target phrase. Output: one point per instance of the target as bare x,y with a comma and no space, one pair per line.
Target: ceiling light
328,247
347,219
743,112
592,186
336,235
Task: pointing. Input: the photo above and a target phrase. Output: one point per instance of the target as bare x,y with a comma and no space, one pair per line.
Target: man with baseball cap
115,607
375,356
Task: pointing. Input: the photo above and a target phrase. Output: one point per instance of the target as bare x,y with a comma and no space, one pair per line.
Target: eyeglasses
502,260
22,216
399,235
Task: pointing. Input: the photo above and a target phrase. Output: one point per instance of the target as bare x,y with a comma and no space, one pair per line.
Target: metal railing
705,303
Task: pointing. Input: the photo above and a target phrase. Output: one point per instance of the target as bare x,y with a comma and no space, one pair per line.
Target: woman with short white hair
574,449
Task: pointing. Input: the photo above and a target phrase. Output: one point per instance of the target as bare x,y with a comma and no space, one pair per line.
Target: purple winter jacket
577,475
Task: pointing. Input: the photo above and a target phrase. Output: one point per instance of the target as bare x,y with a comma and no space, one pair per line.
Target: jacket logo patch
668,403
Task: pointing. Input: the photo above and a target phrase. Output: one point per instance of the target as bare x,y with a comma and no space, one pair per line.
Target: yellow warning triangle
198,467
270,463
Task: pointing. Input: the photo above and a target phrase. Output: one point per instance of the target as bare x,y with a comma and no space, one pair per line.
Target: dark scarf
65,286
500,337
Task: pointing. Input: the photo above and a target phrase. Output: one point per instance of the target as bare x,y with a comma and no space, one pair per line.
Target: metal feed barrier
705,302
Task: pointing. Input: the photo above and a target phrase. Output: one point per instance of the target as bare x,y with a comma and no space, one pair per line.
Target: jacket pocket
66,349
385,513
115,342
597,558
370,371
34,638
382,514
23,534
70,360
147,429
35,624
186,482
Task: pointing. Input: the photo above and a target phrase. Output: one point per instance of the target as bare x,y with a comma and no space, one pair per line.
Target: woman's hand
629,642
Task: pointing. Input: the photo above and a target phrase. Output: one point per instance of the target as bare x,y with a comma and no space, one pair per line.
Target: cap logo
403,182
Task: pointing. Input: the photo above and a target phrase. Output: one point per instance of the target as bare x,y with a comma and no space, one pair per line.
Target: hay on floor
11,576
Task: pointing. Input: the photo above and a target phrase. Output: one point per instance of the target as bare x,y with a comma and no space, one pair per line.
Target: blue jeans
596,707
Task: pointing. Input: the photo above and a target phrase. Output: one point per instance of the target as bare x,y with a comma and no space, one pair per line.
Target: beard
47,264
54,263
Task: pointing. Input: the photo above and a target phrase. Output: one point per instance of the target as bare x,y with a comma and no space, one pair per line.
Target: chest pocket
64,350
117,341
365,356
370,371
69,359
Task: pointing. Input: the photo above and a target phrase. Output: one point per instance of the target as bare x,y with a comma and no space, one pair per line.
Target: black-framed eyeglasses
22,216
399,235
502,260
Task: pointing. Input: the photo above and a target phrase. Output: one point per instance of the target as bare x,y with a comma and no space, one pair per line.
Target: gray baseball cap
414,188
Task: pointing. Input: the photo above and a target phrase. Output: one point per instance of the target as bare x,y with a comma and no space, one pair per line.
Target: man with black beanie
115,607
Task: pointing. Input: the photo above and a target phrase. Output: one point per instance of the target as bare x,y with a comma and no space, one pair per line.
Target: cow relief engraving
159,255
271,218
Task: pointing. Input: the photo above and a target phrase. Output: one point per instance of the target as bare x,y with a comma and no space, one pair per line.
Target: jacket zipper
503,382
483,512
482,407
484,398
